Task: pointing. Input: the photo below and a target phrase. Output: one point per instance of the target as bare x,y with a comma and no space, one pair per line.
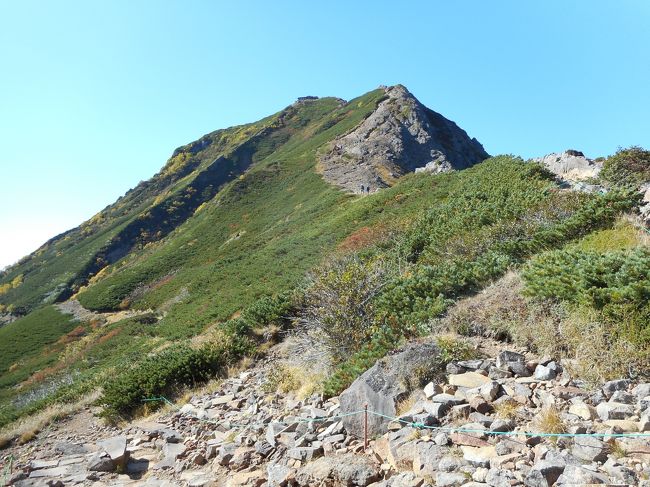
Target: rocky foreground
479,423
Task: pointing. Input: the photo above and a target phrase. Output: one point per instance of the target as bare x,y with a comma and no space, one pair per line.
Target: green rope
509,433
419,425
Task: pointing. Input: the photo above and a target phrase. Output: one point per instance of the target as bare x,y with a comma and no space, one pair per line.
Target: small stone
447,399
221,400
480,456
277,475
225,454
543,372
622,397
264,448
583,410
545,473
613,410
498,373
477,403
39,464
272,431
441,439
100,462
468,379
116,449
578,475
304,454
614,385
450,479
489,391
641,390
431,390
502,425
590,449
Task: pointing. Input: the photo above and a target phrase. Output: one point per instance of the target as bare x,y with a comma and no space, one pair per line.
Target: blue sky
94,96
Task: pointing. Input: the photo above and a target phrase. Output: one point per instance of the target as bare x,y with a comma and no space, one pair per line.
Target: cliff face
399,137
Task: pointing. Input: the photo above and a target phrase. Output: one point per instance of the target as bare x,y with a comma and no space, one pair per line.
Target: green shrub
428,289
338,311
591,278
607,296
173,368
627,168
270,310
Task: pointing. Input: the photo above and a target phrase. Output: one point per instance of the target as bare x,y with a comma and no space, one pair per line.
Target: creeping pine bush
168,371
591,278
269,310
627,168
438,279
607,329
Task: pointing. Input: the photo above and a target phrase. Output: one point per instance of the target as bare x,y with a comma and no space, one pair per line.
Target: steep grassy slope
192,176
259,236
277,199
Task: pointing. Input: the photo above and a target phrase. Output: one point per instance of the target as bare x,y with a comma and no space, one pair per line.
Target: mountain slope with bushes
239,240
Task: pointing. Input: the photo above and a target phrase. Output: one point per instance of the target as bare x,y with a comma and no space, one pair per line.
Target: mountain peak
400,136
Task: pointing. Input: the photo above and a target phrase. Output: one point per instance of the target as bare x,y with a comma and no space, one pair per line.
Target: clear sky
94,96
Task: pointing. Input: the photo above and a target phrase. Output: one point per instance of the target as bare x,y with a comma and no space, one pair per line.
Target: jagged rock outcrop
399,137
571,165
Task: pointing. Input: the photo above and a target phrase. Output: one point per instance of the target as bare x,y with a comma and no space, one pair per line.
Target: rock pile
485,422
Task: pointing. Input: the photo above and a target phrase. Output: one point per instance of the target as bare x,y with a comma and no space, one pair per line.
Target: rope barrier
419,425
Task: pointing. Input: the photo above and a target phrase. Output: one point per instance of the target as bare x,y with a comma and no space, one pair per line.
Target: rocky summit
399,137
484,422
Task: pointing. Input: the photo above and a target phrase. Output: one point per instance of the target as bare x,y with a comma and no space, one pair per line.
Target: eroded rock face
570,165
382,386
399,137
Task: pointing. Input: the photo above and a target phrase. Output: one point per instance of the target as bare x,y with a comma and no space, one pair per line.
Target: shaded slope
260,234
192,176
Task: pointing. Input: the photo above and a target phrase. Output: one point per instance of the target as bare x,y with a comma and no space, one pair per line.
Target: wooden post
365,427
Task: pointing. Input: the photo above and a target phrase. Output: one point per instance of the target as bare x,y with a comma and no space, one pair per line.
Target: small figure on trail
368,189
362,189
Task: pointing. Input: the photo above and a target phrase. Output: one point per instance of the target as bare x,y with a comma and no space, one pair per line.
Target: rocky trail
75,308
483,422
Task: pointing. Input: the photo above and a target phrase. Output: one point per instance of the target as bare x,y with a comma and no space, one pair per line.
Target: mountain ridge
193,175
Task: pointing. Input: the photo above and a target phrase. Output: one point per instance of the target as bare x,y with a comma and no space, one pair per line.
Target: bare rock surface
399,137
384,385
571,165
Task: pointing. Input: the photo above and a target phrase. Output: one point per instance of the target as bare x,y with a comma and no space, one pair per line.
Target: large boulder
384,385
350,470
